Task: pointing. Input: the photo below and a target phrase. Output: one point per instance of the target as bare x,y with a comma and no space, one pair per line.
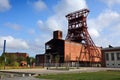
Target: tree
21,58
30,60
15,63
1,61
11,59
57,58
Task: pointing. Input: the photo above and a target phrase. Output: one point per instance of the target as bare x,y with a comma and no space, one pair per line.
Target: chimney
57,34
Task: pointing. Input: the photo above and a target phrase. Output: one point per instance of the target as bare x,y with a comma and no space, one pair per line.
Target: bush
15,64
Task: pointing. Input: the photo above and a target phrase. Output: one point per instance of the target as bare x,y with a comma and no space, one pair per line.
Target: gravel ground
21,78
16,76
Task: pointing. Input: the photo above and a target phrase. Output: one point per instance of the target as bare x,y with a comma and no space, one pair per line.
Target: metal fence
75,64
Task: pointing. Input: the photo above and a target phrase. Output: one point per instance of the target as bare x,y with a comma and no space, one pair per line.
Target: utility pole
4,48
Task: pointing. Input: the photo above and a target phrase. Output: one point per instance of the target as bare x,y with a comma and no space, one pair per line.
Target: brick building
39,59
78,46
17,54
62,51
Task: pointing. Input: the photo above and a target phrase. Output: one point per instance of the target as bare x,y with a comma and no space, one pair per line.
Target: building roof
57,40
40,54
111,49
18,54
53,40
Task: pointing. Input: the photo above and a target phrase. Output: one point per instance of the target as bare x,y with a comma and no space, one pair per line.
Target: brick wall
72,52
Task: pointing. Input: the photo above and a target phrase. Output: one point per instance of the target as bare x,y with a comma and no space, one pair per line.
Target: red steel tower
77,32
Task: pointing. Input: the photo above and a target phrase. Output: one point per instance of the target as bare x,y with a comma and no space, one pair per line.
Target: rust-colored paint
77,32
76,52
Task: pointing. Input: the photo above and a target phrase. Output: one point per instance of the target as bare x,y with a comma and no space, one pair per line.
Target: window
118,56
48,46
107,56
112,56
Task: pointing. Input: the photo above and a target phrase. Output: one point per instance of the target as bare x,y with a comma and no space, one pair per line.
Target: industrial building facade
61,51
111,57
78,46
39,60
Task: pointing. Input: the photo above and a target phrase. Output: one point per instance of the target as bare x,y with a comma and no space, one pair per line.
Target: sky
27,24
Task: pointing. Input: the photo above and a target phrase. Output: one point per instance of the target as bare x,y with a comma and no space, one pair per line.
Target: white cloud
38,44
54,23
66,6
93,32
13,43
104,20
41,25
110,3
99,27
102,41
39,5
58,20
108,17
105,25
13,26
4,5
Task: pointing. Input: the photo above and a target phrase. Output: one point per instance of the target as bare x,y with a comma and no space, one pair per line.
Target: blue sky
28,24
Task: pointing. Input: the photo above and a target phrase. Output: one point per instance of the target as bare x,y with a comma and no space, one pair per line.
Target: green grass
105,75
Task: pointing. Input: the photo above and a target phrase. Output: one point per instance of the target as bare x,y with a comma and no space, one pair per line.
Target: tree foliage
13,60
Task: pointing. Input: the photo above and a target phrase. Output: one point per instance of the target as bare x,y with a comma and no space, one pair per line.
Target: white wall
112,63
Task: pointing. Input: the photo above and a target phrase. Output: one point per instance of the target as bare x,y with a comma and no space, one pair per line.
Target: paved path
45,71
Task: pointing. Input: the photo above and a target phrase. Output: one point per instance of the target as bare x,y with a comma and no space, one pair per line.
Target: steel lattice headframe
77,31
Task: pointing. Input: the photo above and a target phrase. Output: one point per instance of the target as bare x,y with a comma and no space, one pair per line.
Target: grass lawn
104,75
